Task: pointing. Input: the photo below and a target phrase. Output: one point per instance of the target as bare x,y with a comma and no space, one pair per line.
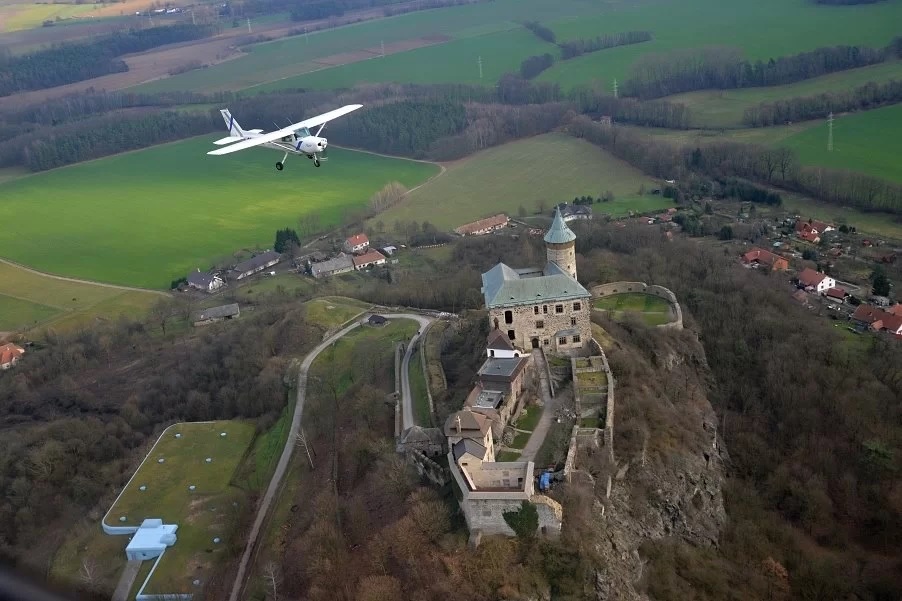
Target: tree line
661,74
534,65
77,61
776,167
802,108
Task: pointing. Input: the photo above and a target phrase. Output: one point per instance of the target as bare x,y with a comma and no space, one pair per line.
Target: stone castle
542,307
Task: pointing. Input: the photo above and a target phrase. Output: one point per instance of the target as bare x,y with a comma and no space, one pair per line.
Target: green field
279,59
201,514
653,310
725,108
763,29
33,302
545,169
291,283
145,218
451,62
333,311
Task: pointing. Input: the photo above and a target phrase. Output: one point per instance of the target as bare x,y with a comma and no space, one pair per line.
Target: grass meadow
147,217
763,29
16,16
653,310
541,170
332,311
725,108
33,302
279,59
201,514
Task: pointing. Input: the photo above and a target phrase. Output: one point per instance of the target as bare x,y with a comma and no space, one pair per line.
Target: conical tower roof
559,233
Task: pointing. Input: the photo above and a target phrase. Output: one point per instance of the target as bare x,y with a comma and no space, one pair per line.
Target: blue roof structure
559,233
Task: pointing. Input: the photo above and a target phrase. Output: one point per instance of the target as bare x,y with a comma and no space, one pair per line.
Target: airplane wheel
316,163
279,166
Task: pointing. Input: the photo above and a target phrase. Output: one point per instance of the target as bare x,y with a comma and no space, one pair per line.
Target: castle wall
654,290
526,320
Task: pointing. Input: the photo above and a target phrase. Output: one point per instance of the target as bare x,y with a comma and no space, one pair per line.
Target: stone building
542,306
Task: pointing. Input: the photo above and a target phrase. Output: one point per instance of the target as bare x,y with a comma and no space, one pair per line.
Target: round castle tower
560,244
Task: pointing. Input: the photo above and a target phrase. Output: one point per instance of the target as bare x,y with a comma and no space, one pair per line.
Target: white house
820,282
204,281
500,346
356,243
151,539
372,257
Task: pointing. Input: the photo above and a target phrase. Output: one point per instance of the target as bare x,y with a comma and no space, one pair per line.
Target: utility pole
615,87
248,24
479,62
830,132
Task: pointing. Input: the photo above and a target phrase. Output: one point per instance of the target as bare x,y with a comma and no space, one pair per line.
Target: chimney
458,423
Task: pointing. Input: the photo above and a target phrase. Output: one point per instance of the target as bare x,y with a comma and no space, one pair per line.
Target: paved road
288,451
407,419
548,412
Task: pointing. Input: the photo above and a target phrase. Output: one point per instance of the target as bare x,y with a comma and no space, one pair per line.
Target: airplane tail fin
232,124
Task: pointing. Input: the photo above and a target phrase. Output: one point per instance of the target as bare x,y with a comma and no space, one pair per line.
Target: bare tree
272,575
88,573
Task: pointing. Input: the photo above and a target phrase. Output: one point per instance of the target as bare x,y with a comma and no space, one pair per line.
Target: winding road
288,451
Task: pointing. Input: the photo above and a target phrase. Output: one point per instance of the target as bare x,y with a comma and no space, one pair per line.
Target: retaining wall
654,290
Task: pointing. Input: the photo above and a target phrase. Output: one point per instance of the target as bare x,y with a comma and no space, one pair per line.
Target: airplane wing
320,119
255,141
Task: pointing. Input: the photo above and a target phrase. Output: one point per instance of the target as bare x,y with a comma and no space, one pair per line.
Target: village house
468,424
876,319
574,212
10,354
483,226
356,243
255,265
836,294
368,259
204,281
340,264
759,256
214,314
818,281
541,306
813,226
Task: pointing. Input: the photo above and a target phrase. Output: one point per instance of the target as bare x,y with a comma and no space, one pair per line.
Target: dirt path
288,451
548,412
441,166
77,281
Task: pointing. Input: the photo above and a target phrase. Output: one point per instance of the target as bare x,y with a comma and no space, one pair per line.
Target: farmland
31,301
201,514
725,108
147,217
804,25
283,58
545,169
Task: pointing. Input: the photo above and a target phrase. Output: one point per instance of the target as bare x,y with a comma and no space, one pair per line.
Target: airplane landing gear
281,164
316,162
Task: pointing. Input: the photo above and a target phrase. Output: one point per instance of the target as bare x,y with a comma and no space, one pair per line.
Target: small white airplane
294,139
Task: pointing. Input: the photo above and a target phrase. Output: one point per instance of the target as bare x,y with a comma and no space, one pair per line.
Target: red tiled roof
895,309
762,256
357,239
877,318
810,277
370,256
10,352
482,224
809,236
836,293
866,313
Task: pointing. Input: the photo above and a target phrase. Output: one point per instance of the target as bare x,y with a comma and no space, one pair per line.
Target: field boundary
78,281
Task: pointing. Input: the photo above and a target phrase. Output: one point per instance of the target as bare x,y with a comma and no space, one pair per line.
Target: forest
77,61
802,108
654,75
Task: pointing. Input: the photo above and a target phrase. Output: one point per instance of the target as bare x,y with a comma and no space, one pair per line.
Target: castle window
540,324
559,308
545,342
576,339
508,316
577,306
544,308
511,334
562,340
536,309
